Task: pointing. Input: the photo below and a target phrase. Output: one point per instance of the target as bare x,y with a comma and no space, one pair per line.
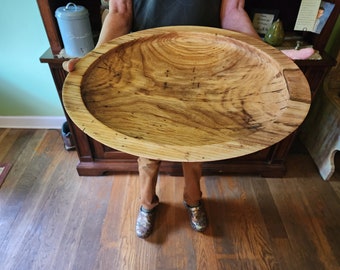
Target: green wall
26,85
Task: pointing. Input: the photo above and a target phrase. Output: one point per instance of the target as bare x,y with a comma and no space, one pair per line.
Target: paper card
307,15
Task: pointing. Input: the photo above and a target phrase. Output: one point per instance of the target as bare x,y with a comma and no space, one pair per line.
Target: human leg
148,173
192,195
192,172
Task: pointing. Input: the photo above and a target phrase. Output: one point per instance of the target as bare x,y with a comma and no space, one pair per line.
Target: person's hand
70,65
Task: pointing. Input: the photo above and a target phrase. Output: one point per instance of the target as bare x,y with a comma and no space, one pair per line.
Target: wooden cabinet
98,159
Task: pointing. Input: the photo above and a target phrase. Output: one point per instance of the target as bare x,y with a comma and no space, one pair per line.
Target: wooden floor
50,218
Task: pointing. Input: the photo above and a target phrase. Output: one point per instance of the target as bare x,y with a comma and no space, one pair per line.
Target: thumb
70,65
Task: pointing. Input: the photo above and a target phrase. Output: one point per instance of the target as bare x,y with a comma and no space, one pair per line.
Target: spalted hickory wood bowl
186,93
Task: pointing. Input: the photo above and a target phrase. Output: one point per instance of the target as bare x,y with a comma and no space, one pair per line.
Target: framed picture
262,19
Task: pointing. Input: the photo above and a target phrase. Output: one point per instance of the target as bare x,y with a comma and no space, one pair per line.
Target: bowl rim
297,105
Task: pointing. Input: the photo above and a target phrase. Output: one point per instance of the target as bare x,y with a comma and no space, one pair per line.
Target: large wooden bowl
186,94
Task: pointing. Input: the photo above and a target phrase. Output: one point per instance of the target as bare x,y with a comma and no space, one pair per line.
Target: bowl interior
189,88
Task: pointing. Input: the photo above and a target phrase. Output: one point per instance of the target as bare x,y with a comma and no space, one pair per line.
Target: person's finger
69,65
65,66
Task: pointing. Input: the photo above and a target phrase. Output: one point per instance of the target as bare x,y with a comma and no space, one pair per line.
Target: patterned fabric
156,13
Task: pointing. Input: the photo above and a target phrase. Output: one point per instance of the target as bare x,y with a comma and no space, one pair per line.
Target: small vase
275,34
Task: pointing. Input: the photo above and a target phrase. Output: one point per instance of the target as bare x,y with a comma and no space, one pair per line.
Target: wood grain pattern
51,218
187,94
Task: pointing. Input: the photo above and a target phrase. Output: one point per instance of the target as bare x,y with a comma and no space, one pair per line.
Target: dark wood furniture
98,159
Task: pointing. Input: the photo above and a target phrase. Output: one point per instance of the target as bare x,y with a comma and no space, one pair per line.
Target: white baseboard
32,122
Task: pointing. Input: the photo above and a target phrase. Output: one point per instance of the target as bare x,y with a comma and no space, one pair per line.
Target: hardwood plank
284,254
170,225
16,139
126,256
111,227
335,184
322,205
8,138
175,238
19,154
220,213
33,224
238,264
299,225
79,246
50,218
246,229
20,179
270,213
